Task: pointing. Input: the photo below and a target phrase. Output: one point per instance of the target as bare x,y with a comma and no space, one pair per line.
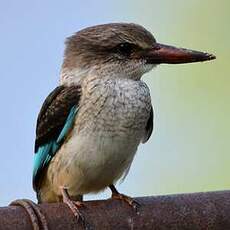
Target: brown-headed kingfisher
90,126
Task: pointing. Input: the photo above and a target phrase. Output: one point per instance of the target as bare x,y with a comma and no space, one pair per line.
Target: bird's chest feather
116,107
108,129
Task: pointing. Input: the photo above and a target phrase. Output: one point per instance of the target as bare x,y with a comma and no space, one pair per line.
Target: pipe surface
196,211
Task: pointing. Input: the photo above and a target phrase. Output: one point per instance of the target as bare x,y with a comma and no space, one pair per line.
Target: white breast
108,129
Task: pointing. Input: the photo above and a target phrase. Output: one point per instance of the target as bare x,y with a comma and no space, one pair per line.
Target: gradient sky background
189,148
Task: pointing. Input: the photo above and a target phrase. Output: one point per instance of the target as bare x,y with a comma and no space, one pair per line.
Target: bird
90,126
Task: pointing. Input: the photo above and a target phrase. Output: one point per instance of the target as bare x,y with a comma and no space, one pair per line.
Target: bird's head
119,50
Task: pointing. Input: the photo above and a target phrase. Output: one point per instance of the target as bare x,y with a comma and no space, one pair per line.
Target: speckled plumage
114,112
88,144
109,126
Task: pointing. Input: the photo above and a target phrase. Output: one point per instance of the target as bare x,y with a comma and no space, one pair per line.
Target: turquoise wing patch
45,152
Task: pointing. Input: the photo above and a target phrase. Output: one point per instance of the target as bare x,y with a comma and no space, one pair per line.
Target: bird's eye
125,49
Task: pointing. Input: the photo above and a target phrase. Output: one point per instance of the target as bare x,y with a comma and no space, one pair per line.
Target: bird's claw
132,202
136,206
74,207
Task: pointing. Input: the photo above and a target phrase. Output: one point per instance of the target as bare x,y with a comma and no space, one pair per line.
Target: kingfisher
90,126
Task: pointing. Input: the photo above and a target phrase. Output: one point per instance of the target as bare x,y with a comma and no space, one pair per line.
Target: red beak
171,55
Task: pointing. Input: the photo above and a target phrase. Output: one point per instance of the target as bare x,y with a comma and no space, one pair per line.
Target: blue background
189,148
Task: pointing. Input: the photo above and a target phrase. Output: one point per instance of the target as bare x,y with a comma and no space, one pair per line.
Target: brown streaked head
122,49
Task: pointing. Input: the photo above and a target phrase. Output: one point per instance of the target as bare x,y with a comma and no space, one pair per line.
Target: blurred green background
189,150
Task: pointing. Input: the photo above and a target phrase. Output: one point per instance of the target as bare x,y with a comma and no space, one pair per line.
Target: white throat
74,76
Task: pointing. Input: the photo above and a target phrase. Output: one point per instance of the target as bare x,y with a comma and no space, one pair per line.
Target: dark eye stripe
125,49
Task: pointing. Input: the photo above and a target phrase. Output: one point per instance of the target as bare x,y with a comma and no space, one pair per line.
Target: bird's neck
77,75
74,76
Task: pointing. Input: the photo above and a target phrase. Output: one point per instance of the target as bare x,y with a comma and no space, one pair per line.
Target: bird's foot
129,200
37,218
74,207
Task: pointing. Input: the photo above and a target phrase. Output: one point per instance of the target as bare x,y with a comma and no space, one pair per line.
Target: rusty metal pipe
209,211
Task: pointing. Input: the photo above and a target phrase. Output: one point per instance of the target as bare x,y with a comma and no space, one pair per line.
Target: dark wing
54,122
41,120
149,127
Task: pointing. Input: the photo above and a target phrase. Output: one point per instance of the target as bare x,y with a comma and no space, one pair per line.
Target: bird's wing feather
149,127
54,122
148,132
